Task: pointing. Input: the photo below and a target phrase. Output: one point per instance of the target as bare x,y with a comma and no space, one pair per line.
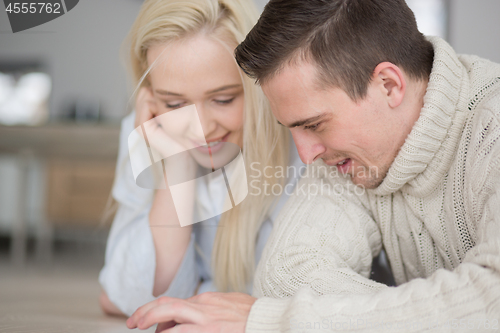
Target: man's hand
207,312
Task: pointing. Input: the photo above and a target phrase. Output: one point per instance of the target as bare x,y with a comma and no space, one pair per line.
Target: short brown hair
345,39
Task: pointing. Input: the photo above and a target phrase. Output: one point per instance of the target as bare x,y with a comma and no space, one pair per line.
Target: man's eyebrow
305,121
170,93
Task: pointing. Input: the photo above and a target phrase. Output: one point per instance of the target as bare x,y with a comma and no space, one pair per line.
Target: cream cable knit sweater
437,214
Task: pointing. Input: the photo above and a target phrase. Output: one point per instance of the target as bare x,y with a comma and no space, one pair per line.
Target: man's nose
308,146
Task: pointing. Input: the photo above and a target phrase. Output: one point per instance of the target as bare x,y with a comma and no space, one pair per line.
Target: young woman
182,54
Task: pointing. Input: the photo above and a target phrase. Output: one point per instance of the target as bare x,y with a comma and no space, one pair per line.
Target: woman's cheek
239,116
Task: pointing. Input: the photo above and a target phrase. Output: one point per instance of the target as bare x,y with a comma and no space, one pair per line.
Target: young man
401,116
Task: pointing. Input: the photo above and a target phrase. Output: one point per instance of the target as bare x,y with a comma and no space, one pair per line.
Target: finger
162,327
141,311
144,107
141,107
180,312
184,328
215,298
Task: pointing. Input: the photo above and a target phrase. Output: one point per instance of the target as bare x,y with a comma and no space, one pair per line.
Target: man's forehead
295,90
294,76
299,109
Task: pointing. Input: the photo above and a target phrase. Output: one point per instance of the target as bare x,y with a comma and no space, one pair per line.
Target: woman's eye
312,127
174,105
224,101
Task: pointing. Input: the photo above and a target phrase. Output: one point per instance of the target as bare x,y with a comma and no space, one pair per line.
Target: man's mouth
342,165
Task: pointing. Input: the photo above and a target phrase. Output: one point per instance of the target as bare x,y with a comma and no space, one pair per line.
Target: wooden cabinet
79,162
78,191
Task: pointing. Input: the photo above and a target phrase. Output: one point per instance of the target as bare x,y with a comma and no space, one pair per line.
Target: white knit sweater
437,214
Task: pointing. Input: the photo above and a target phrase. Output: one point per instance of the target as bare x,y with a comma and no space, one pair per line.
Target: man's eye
224,101
312,127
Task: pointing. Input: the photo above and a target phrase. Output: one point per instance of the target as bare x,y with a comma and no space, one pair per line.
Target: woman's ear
392,82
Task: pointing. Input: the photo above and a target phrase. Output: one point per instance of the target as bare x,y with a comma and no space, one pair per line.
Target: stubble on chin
369,178
377,175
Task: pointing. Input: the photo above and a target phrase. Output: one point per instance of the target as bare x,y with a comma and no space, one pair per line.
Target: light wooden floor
61,297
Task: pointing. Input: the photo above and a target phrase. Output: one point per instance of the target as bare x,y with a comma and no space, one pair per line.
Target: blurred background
63,92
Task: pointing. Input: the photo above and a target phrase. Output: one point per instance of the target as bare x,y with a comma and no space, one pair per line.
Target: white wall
261,4
475,27
81,51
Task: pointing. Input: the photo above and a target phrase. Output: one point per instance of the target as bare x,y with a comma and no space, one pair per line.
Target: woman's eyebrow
167,93
227,87
231,86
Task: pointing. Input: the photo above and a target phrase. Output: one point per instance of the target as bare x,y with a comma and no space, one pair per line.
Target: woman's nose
207,120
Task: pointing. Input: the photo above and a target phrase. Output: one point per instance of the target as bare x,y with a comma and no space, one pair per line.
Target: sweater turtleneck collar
428,151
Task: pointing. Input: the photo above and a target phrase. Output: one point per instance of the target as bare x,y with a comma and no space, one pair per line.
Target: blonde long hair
264,141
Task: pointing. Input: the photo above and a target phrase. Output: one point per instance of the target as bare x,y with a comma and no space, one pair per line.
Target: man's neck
414,99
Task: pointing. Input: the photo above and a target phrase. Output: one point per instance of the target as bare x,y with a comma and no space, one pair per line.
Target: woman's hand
207,312
145,106
170,240
148,117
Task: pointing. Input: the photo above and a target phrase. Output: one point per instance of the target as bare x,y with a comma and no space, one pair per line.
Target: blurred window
24,93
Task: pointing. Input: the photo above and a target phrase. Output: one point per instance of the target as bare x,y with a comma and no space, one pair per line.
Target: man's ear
392,82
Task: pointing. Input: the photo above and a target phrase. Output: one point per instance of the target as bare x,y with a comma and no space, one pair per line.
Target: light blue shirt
129,269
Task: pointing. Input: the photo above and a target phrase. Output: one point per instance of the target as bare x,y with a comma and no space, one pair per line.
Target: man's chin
366,183
369,177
